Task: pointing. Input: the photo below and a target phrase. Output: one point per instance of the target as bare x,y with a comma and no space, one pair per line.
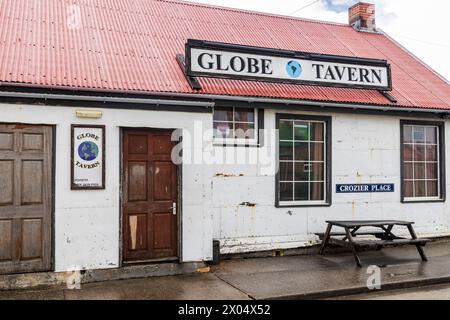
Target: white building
90,98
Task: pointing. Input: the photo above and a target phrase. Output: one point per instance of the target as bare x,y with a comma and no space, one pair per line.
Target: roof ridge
281,16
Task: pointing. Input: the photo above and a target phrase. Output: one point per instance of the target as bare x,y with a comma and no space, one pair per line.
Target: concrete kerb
44,280
362,290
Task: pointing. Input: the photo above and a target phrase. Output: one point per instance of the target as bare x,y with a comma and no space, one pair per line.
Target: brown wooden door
25,198
148,197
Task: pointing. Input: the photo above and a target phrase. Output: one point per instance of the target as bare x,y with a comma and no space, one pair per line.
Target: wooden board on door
25,198
149,196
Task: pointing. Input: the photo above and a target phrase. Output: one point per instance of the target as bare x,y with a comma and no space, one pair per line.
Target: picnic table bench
384,237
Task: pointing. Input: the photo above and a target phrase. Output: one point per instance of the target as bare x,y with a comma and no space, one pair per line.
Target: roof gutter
323,104
104,99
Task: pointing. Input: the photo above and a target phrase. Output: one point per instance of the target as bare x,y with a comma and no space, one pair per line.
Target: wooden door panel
150,227
25,198
32,142
138,231
137,172
6,240
32,182
162,181
138,144
32,237
6,141
161,145
162,224
6,182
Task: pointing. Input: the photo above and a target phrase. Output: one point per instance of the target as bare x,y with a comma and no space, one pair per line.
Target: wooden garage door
149,196
25,198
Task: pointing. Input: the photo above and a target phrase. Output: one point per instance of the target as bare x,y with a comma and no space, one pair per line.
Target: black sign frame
235,48
73,185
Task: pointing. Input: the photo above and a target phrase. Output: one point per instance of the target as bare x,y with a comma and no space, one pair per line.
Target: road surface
441,292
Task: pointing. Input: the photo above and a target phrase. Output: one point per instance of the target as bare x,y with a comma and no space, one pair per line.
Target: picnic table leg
352,246
419,248
325,239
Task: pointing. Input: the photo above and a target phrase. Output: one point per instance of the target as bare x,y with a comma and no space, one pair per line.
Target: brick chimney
362,16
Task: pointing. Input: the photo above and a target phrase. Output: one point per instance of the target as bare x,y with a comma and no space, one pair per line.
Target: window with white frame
235,125
422,168
302,154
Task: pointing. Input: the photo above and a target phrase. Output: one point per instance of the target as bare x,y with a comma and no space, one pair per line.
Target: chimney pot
362,16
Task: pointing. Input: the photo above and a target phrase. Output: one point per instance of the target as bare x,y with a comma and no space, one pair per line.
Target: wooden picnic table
384,236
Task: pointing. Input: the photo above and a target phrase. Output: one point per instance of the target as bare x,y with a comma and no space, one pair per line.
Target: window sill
406,201
304,205
236,144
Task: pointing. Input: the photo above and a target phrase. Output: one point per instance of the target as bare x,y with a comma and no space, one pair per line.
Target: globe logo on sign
294,69
88,151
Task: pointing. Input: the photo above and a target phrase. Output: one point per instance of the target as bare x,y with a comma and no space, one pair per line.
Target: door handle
174,209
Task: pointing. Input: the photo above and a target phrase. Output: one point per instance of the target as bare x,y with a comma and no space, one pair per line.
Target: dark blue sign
364,188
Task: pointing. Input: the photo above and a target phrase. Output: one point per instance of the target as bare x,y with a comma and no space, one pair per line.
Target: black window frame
328,159
441,157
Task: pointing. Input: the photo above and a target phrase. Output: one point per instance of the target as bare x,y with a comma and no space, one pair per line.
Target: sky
420,26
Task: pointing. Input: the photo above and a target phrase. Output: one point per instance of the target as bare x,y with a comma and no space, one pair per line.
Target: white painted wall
366,149
87,223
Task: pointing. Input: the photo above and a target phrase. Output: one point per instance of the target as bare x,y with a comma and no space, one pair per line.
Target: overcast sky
421,26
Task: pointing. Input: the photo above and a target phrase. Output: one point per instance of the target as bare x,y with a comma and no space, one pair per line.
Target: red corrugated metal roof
131,45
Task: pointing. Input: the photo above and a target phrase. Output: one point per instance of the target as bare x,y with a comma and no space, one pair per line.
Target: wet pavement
441,292
294,277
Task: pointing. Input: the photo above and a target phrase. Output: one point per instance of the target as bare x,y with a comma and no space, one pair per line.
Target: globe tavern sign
212,59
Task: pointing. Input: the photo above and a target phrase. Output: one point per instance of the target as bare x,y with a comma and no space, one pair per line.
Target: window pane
302,170
407,134
317,151
223,114
301,192
419,189
307,160
244,130
419,153
223,130
317,131
301,151
317,171
285,130
316,191
419,170
301,131
432,189
432,169
431,153
286,150
286,191
407,152
409,189
286,171
419,134
409,171
244,115
431,136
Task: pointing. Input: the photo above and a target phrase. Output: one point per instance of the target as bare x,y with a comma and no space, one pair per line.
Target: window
235,125
422,163
304,158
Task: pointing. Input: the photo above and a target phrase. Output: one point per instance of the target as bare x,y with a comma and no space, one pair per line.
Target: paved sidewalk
296,277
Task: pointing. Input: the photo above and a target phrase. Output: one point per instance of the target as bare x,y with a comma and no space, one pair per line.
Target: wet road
441,292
